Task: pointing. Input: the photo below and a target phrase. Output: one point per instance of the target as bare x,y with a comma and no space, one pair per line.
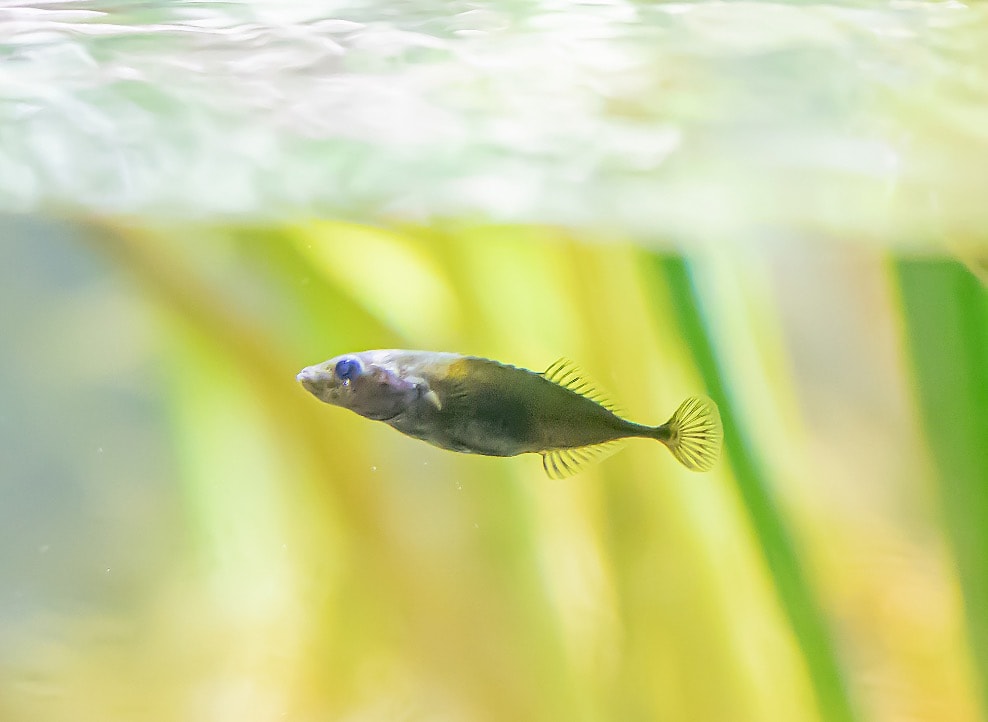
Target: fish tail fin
694,433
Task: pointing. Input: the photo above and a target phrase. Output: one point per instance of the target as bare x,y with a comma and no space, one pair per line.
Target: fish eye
347,368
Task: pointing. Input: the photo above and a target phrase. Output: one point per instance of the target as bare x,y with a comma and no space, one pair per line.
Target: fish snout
313,378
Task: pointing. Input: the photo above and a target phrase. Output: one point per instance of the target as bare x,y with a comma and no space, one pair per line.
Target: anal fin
563,463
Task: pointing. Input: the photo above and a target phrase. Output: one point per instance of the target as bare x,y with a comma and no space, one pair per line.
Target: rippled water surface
697,117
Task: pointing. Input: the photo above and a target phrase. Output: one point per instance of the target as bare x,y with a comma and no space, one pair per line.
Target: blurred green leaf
740,451
945,309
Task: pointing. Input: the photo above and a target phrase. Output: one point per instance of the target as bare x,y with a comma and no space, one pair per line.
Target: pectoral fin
426,392
433,398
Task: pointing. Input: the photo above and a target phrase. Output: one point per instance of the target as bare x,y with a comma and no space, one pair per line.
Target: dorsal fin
562,463
567,374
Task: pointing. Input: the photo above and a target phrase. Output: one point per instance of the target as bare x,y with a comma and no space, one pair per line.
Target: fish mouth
314,379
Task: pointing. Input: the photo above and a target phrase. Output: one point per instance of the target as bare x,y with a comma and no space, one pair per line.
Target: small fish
478,406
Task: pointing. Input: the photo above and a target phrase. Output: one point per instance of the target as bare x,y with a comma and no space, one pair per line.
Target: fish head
369,383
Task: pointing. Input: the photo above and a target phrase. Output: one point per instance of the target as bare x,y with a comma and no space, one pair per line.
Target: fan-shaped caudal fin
694,433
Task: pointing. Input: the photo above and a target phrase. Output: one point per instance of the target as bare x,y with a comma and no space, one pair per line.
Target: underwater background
779,204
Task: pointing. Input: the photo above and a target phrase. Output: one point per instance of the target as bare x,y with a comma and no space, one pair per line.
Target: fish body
479,406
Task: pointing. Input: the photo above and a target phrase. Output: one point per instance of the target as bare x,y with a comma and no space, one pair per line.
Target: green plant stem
946,318
795,594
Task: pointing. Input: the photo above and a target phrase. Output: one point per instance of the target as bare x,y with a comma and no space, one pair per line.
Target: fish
476,405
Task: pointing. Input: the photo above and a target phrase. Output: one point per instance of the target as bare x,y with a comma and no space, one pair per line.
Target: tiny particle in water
99,449
44,548
373,468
